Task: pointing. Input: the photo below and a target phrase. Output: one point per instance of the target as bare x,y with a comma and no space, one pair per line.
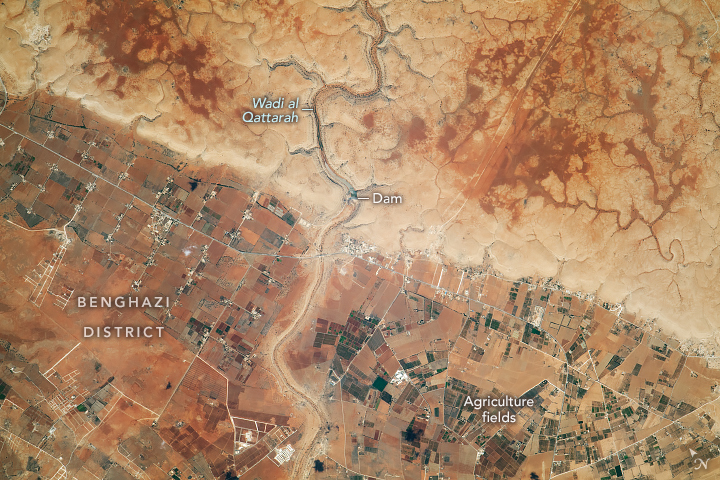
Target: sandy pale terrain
576,140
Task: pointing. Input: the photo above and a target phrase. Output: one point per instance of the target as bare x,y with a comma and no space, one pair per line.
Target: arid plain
571,139
565,148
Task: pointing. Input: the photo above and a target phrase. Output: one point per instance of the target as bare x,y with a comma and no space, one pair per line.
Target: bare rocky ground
575,140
